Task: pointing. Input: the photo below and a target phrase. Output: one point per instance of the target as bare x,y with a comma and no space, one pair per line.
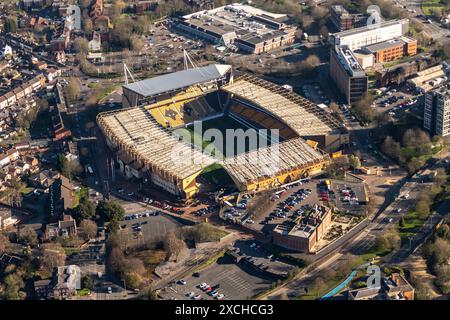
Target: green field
432,6
221,144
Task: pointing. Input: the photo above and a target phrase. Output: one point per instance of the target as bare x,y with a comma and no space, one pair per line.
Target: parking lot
148,228
235,282
285,202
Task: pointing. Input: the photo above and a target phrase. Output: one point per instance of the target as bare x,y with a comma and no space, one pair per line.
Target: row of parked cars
145,214
204,211
206,288
287,205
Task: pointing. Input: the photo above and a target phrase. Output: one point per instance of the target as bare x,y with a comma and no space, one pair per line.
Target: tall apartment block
436,115
348,74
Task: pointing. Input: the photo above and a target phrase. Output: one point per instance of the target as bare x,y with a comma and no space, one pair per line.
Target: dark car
196,274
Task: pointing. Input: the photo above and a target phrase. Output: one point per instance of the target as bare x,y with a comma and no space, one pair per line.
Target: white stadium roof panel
178,80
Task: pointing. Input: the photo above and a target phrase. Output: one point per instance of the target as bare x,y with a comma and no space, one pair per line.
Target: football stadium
178,129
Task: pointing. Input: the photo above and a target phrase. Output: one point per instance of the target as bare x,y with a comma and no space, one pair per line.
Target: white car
182,281
203,286
109,290
220,296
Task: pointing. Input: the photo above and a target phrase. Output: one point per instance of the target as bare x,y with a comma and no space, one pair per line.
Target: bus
89,169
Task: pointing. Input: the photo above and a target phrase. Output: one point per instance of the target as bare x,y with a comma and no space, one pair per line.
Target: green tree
73,90
13,284
354,162
85,210
11,24
423,208
87,283
109,210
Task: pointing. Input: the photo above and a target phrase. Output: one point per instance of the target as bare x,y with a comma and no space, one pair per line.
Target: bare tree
88,229
173,245
4,243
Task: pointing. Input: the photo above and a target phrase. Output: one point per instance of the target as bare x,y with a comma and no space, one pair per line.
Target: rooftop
137,129
178,80
349,62
383,24
271,160
385,45
303,116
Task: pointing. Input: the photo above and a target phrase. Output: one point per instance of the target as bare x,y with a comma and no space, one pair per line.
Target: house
22,166
394,287
52,74
65,282
7,219
66,227
96,42
44,179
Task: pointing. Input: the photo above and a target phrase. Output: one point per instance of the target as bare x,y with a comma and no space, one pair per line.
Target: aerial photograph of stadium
210,150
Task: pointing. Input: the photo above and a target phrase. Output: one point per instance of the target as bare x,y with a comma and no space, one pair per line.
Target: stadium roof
137,131
303,116
272,160
178,80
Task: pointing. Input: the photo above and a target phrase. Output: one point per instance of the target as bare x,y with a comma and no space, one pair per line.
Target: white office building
368,35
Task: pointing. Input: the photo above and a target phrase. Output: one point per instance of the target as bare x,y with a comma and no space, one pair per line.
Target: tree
28,237
88,229
109,210
414,164
73,90
401,222
85,210
4,243
173,245
391,148
87,283
132,280
152,294
88,26
117,7
69,168
415,138
52,255
354,162
113,226
13,284
81,45
11,24
116,261
136,43
363,109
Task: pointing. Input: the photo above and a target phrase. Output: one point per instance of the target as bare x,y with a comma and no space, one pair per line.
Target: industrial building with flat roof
348,74
148,146
371,34
303,233
247,28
